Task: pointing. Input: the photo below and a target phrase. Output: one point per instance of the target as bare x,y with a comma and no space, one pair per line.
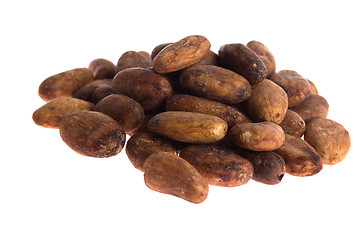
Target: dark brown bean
244,61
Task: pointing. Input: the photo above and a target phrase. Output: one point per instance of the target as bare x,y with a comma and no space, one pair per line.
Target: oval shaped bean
264,136
215,83
189,103
217,166
181,54
92,134
300,157
329,138
244,61
268,102
188,127
269,167
148,88
65,84
265,55
52,112
167,173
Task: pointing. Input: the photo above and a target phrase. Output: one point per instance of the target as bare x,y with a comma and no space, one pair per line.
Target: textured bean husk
215,83
92,134
189,103
217,166
269,167
170,174
143,144
181,54
329,138
51,113
188,127
244,61
314,106
125,110
65,84
102,68
300,157
131,59
293,124
268,102
264,136
148,88
265,55
297,87
86,92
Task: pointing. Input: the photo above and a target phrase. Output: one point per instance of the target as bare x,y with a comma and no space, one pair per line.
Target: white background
47,191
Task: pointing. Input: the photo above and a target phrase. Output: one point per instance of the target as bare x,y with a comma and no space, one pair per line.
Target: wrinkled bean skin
268,102
189,103
102,68
300,157
293,124
215,83
143,144
181,54
297,87
92,134
128,112
329,138
188,127
51,113
265,55
264,136
148,88
269,168
314,106
167,173
65,84
244,61
217,166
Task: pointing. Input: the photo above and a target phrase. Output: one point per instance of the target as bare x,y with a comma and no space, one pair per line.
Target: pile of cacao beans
195,118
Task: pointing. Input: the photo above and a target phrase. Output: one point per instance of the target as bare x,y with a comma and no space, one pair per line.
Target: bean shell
329,138
244,61
215,83
264,136
300,157
188,127
92,134
181,54
51,113
189,103
217,166
65,84
167,173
